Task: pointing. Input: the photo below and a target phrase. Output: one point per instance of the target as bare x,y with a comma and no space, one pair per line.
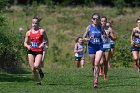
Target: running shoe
41,73
95,83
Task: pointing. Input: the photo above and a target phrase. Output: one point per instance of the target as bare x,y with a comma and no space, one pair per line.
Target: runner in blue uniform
93,35
135,45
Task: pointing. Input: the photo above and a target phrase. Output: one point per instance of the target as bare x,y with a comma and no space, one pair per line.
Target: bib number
107,45
95,41
34,44
137,41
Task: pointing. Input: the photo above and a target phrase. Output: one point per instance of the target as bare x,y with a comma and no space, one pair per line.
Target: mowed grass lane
72,80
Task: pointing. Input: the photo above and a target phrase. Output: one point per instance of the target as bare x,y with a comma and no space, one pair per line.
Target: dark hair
39,18
137,19
95,14
77,39
104,17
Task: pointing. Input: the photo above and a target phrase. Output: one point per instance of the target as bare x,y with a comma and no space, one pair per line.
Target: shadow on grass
54,84
118,85
14,78
123,77
120,81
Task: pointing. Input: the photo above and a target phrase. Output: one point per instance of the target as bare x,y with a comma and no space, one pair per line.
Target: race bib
95,40
137,40
80,53
106,45
34,44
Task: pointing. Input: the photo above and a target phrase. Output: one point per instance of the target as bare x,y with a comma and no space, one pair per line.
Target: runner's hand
41,45
28,47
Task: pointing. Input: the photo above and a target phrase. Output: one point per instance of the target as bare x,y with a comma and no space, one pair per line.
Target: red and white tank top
35,40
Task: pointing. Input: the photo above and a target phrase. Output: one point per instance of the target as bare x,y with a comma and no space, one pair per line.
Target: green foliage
3,4
30,10
34,7
136,3
56,53
50,4
119,4
27,10
2,20
90,3
10,56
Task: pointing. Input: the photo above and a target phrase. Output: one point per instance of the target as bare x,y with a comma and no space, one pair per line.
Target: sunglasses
95,18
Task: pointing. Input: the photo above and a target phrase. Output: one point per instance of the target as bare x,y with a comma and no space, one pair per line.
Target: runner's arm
132,37
26,41
85,34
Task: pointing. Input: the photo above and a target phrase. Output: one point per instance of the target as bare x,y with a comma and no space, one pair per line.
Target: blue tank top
137,38
96,32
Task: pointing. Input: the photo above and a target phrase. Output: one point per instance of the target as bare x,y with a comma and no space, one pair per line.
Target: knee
36,66
135,59
96,65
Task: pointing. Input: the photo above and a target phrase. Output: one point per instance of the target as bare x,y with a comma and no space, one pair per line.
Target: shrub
10,48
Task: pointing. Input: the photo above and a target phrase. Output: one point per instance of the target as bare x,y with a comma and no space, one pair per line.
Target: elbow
25,44
115,38
75,51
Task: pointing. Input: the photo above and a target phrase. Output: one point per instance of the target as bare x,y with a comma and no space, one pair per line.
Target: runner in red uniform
34,43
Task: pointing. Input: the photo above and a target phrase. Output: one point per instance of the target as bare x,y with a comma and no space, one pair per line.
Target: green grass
72,80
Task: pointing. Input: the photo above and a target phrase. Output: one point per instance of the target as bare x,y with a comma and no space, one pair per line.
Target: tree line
127,3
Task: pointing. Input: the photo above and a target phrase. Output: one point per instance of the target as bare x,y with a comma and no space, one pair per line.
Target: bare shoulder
42,30
76,44
87,28
134,29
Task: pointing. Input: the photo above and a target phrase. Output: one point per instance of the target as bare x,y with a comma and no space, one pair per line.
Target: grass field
72,80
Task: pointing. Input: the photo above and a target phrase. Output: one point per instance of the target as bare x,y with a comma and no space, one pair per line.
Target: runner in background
112,41
135,45
106,47
79,52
